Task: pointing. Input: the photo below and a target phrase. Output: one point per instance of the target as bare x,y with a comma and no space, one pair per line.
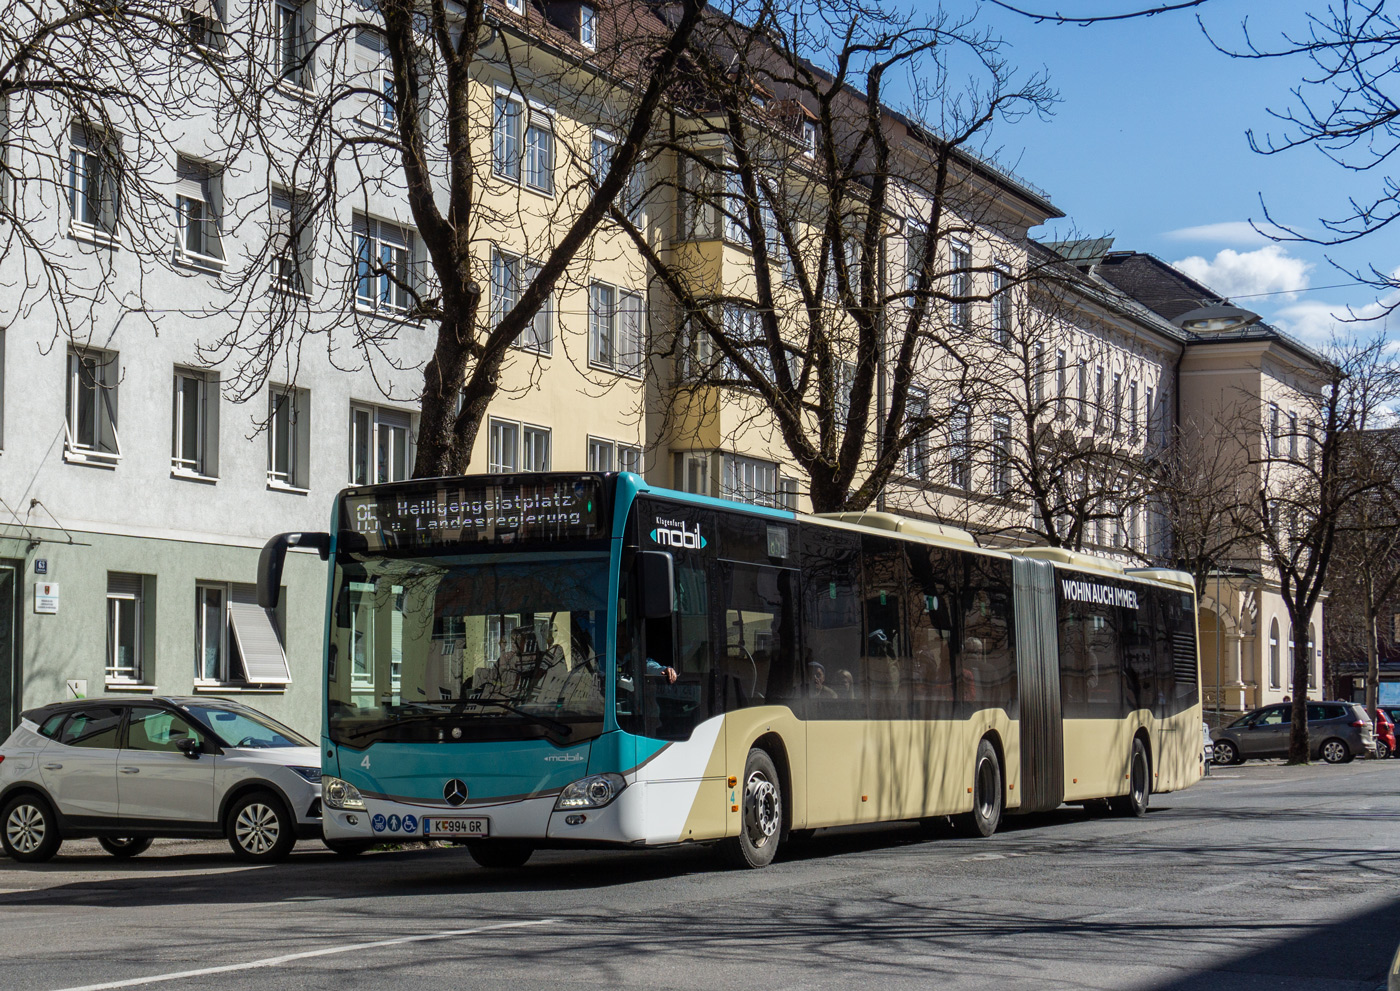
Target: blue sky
1148,145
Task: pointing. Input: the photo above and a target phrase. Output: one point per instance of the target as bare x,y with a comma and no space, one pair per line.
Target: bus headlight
338,794
592,792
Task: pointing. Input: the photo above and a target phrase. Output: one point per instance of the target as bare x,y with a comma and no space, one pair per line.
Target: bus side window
929,608
987,659
831,624
759,660
886,647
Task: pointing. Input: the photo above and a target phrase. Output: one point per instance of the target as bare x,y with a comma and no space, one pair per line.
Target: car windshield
495,646
246,727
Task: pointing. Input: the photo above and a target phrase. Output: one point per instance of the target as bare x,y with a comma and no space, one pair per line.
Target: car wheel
1135,802
500,856
259,828
348,848
29,829
1334,751
125,846
1227,753
987,797
760,814
1382,750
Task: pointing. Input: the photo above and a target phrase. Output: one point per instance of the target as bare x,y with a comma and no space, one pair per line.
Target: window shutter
264,660
119,583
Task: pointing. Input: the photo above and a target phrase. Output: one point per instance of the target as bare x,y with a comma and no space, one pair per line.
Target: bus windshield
473,647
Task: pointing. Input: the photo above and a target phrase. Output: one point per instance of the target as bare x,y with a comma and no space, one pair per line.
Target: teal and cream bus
581,660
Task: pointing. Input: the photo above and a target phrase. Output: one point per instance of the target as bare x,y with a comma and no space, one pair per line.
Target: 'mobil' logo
675,533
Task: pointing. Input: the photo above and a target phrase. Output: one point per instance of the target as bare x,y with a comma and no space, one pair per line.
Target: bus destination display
447,514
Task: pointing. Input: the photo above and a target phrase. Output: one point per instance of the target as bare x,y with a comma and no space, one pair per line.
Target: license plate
457,826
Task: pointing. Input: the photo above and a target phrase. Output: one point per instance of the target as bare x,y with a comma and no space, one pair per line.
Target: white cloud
1317,323
1226,232
1247,273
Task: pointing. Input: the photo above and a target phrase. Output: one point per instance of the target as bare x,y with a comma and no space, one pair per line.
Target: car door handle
53,767
131,770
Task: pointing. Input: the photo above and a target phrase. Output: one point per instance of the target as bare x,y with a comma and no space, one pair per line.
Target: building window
1001,454
198,206
93,166
504,454
614,329
960,265
1274,672
787,494
236,640
1061,381
195,423
1038,377
289,437
1083,393
539,152
127,627
510,274
1311,658
809,139
600,158
587,26
204,25
750,480
600,454
90,432
387,106
1395,627
506,143
1098,398
915,244
1133,409
1273,438
917,453
845,374
293,26
1151,419
383,265
1117,403
379,445
1293,436
1001,308
960,447
535,446
291,239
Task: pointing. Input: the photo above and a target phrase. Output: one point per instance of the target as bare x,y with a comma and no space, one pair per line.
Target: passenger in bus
817,687
845,684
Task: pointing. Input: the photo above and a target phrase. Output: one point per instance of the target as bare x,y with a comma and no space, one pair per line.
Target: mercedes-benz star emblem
455,791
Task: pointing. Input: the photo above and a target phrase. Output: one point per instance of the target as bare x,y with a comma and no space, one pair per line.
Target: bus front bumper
387,821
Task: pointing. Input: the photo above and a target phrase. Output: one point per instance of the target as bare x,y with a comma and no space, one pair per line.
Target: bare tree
1311,480
484,121
1366,573
94,99
856,225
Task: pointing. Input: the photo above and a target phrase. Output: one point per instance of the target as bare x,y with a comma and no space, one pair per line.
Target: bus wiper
563,729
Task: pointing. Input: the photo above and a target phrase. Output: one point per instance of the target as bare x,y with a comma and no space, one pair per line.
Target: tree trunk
1373,661
1298,733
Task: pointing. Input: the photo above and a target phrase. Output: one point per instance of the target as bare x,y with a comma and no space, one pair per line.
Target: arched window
1273,655
1312,657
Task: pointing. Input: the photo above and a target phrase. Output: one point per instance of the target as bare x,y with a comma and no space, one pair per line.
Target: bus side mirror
656,584
274,555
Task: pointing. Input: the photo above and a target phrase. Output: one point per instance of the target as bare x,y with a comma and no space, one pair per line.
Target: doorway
11,676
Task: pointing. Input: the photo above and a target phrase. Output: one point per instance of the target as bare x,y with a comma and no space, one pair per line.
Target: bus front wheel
761,814
987,799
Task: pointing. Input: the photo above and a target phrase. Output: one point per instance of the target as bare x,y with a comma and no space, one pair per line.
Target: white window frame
379,425
750,480
99,379
293,241
960,446
960,284
536,447
1062,381
916,455
205,26
198,214
612,344
588,27
1273,435
94,196
1001,306
293,28
200,387
503,446
809,139
601,149
510,274
597,448
288,438
537,150
1001,454
238,605
128,588
385,261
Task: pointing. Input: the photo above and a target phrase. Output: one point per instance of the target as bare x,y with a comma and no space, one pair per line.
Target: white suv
128,770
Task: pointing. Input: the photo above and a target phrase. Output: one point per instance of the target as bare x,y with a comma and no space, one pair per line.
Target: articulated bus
554,660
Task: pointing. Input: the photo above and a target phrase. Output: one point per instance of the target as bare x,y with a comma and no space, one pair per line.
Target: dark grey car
1337,732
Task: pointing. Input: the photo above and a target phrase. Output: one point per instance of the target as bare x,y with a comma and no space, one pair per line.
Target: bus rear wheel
760,812
987,798
1134,803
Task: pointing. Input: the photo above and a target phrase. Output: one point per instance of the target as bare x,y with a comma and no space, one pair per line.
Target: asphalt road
1259,877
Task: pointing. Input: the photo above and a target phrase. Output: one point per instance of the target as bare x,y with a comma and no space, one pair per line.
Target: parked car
1337,732
129,770
1385,733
